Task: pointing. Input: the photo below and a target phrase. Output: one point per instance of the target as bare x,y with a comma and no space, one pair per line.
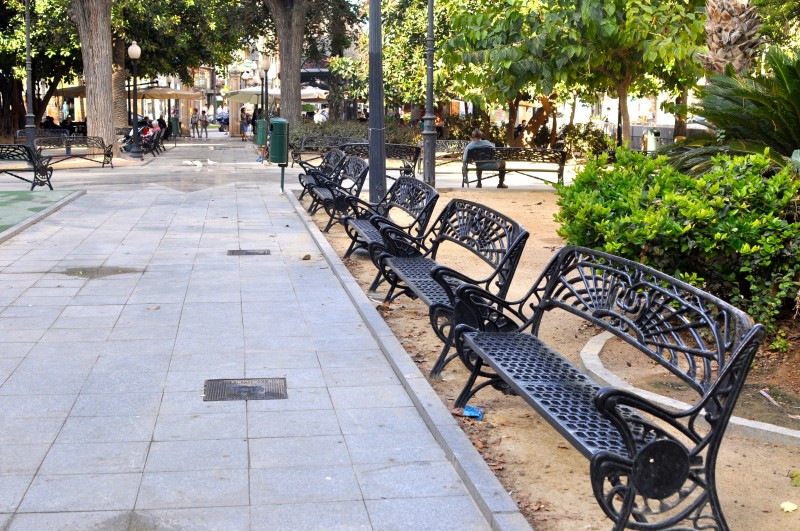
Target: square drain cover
245,389
248,252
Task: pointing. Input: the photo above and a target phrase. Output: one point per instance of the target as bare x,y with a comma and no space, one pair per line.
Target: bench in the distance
16,159
91,148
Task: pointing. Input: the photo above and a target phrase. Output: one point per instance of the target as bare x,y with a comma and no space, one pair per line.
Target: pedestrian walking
243,123
194,121
203,125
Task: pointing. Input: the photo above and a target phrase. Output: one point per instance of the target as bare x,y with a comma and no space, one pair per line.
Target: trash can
261,132
279,141
652,136
176,127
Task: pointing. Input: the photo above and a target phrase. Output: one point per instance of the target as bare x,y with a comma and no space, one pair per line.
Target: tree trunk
572,112
118,76
40,104
290,21
539,118
93,20
554,131
680,114
623,109
513,114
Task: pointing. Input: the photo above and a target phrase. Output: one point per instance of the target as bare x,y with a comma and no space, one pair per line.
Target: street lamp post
29,118
429,134
170,80
134,52
377,136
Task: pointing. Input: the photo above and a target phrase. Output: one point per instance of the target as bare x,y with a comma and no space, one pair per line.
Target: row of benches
52,146
546,165
650,467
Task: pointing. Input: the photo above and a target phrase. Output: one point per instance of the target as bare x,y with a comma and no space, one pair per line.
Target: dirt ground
547,477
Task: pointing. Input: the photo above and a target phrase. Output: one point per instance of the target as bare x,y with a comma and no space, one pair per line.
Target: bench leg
376,281
441,318
468,392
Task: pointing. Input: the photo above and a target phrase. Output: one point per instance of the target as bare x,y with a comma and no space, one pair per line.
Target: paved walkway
115,309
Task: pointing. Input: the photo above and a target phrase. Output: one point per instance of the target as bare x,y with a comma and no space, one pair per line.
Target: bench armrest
361,209
610,400
484,311
400,243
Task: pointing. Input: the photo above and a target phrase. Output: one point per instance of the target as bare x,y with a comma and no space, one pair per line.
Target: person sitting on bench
477,141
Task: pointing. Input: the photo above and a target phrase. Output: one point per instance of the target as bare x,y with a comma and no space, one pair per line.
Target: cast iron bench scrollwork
312,148
410,266
21,135
19,158
332,194
82,147
323,171
401,158
537,163
650,467
407,206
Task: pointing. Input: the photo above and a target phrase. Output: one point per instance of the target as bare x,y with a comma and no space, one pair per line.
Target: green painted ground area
19,206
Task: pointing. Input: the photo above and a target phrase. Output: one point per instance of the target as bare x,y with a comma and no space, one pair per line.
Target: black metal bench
312,148
21,135
446,151
651,468
19,158
401,158
537,163
314,173
410,268
152,143
332,194
82,147
408,206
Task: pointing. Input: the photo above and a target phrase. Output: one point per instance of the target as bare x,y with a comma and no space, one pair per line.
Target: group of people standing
198,122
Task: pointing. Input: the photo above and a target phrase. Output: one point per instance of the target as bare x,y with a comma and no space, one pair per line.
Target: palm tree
750,114
731,35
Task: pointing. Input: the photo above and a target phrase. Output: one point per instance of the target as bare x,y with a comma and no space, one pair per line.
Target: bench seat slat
552,385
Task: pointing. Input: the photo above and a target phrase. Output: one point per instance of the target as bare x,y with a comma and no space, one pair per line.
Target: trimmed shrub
733,232
583,140
395,131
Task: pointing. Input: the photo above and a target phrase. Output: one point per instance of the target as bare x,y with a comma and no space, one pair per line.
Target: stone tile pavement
115,309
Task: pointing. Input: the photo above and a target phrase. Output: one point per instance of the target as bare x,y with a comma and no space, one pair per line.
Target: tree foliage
55,53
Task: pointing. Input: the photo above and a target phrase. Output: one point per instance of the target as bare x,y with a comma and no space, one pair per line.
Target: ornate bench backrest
70,141
331,161
415,198
15,152
691,333
310,143
408,155
495,238
478,154
39,133
554,156
352,174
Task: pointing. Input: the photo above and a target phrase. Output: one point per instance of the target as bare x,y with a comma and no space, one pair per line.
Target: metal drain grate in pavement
244,389
248,252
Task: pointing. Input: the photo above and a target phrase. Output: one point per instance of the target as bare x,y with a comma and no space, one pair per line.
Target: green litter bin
176,126
261,132
279,141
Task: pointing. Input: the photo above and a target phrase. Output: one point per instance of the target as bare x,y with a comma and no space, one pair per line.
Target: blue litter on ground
259,159
470,411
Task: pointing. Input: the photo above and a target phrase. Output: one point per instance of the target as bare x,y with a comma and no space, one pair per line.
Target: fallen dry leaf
788,507
307,257
154,307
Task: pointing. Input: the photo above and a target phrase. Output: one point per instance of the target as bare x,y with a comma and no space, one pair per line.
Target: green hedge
394,131
733,232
